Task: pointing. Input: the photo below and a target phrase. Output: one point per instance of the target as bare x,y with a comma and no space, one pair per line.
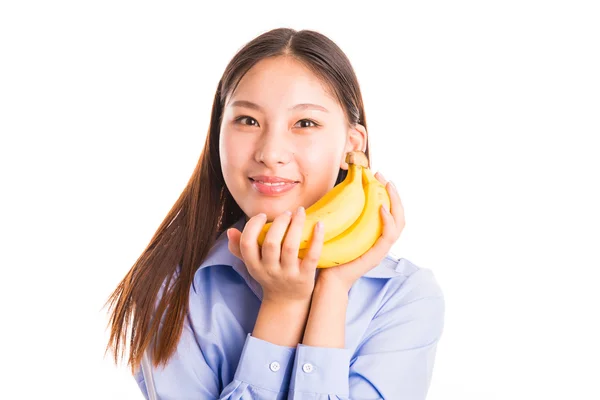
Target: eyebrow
303,106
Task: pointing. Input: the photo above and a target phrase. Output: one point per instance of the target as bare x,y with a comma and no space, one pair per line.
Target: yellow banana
362,235
338,208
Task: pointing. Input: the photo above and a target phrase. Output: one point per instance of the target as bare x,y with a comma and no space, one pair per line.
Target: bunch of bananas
350,213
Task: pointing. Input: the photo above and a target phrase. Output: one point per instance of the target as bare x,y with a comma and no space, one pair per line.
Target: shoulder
398,305
402,282
401,272
218,266
408,302
416,280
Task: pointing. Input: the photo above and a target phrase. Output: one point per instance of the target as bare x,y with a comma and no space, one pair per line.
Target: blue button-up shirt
394,320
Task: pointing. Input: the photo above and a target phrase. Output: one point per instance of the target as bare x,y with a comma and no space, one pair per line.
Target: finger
249,248
380,178
388,233
271,247
311,259
384,243
380,248
291,243
233,235
396,207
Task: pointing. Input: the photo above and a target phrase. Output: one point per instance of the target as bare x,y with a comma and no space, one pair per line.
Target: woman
214,315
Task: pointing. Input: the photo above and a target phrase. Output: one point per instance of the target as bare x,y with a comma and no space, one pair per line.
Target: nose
273,149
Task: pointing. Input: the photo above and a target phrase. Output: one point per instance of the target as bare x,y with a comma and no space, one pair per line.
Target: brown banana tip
357,157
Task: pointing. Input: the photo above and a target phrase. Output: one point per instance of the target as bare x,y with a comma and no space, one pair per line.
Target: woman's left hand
344,276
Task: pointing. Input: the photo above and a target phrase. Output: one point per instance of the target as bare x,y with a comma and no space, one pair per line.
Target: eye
309,121
243,117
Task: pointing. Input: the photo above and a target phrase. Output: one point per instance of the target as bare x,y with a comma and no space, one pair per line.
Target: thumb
234,242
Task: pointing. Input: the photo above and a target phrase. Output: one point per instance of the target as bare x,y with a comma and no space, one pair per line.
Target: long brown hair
205,209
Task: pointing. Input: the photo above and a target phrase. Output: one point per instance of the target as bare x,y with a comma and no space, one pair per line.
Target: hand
345,275
283,276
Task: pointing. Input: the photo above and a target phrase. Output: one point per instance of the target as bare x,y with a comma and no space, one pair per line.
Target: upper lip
271,179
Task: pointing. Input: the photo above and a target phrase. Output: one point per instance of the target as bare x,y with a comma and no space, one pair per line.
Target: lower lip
272,190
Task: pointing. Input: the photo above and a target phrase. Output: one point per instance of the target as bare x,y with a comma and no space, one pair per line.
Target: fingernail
393,186
320,226
288,213
300,210
262,215
385,209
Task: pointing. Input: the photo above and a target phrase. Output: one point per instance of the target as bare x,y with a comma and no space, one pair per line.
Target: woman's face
281,125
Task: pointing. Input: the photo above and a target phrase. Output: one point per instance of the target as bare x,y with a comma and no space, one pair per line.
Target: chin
271,212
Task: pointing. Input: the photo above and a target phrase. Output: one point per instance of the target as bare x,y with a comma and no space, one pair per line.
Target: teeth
272,183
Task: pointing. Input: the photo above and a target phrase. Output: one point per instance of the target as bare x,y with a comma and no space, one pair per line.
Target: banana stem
357,157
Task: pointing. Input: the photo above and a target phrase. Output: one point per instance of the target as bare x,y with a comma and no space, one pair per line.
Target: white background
486,115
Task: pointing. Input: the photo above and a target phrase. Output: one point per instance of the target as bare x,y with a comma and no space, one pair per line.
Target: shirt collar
219,254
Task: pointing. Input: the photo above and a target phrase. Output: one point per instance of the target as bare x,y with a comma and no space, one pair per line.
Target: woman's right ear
356,141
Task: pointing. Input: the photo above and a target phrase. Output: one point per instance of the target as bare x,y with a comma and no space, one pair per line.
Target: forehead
283,82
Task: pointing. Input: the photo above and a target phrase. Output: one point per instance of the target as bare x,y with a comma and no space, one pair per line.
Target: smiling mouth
274,183
272,188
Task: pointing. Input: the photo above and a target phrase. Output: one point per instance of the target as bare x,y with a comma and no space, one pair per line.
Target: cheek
320,165
322,155
232,152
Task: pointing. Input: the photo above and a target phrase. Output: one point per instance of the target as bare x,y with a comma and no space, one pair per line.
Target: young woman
214,315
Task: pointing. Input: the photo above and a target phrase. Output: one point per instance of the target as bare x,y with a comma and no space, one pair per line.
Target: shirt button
308,368
274,366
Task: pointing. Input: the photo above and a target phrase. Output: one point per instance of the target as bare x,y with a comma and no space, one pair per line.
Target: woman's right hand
284,277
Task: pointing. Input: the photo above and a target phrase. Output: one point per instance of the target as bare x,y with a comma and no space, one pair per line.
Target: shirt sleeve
263,372
395,359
